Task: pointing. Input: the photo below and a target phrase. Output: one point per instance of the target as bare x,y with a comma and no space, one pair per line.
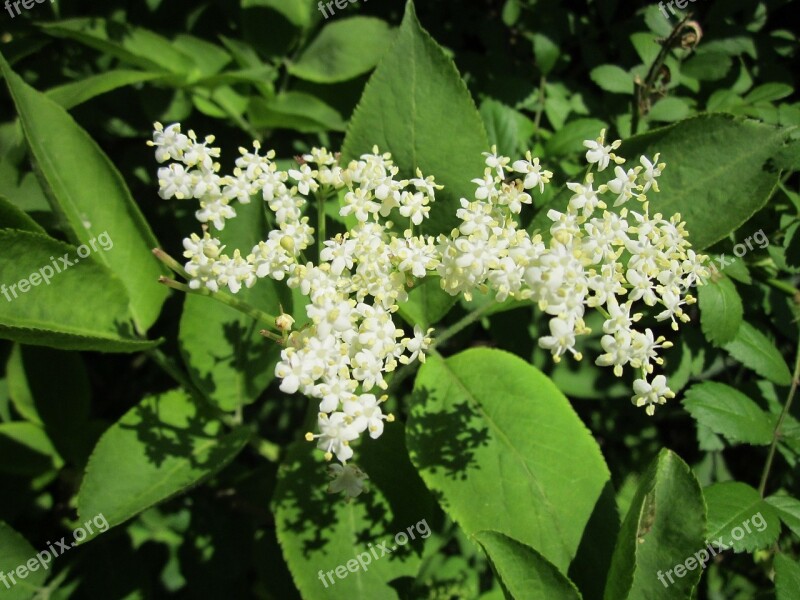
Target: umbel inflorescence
611,261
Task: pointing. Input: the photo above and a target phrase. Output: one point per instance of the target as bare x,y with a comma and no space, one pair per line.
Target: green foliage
413,97
506,472
664,526
157,449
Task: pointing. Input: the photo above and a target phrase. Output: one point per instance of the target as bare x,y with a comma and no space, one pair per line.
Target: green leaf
297,12
496,439
728,412
226,356
295,110
546,52
133,45
769,92
12,217
568,140
70,95
788,510
787,578
663,528
669,109
15,552
82,307
707,66
89,190
755,351
739,518
524,572
159,448
507,128
396,502
698,175
51,388
720,310
26,450
413,96
427,303
343,50
208,58
612,78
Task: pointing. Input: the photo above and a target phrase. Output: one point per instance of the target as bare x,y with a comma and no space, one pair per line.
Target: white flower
534,175
599,153
169,142
624,184
335,437
652,170
560,340
651,394
215,212
305,179
175,181
366,414
496,162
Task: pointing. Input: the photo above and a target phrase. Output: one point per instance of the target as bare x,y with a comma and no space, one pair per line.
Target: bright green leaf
226,356
427,303
343,50
15,551
26,450
728,412
788,510
295,110
664,527
524,572
496,439
669,109
720,310
417,107
755,351
89,190
569,139
396,501
12,217
70,95
159,448
83,307
298,12
739,518
787,578
612,78
506,127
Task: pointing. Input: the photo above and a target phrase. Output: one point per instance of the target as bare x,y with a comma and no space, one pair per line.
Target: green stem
240,305
777,432
641,97
405,371
783,286
540,106
321,224
170,262
461,324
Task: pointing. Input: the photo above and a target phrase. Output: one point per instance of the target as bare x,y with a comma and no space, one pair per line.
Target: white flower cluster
595,258
604,260
353,291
